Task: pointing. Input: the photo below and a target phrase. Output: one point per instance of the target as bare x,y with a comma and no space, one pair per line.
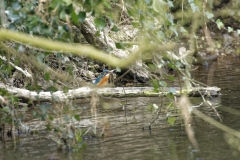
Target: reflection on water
126,133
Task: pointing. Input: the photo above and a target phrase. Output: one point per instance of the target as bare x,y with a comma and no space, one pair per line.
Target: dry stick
208,104
122,75
157,115
83,50
75,49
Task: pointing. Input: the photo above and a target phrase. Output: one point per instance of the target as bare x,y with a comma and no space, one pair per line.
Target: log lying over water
84,92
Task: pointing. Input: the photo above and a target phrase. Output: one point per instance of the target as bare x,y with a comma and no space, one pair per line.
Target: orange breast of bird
103,81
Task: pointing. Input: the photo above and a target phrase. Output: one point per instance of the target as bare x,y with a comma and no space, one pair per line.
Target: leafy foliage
158,22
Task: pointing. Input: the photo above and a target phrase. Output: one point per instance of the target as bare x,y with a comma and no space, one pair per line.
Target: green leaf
155,85
171,120
159,6
135,24
115,29
52,89
209,15
40,58
183,30
162,83
171,65
47,76
238,31
220,25
68,2
66,118
51,118
174,30
118,69
74,17
78,136
77,117
147,1
44,108
82,16
97,34
170,95
151,67
7,109
230,29
62,15
16,6
170,3
120,45
194,7
100,23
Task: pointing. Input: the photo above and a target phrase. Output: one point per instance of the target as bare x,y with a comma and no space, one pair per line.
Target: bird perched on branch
104,78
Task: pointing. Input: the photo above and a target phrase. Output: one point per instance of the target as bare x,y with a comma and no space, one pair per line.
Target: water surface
127,134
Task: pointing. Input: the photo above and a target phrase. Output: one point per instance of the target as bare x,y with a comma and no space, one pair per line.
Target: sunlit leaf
62,15
220,25
68,2
162,83
155,106
209,15
194,7
238,31
21,48
183,30
170,3
159,6
118,69
171,120
230,29
147,1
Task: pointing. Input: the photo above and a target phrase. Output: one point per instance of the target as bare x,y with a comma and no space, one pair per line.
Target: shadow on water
126,134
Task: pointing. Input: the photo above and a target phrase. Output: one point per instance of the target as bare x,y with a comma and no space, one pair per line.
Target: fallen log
117,92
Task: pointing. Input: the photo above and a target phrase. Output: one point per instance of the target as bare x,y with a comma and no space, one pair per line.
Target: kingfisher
105,77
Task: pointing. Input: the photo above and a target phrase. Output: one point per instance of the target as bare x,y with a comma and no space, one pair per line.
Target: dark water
127,136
